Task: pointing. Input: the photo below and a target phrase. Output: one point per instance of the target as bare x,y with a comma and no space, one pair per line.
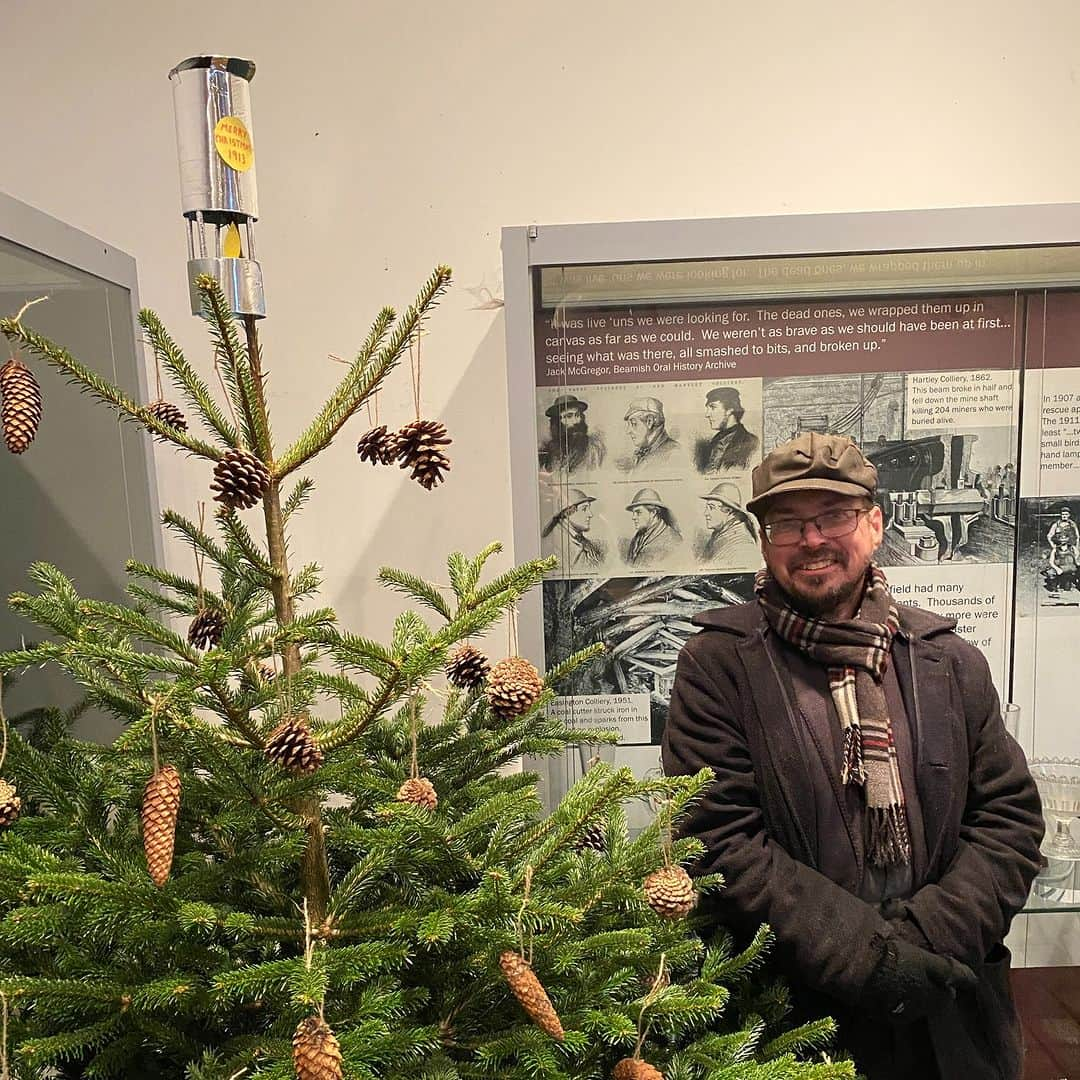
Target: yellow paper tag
231,247
233,142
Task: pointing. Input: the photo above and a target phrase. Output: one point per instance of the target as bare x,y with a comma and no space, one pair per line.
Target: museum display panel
654,386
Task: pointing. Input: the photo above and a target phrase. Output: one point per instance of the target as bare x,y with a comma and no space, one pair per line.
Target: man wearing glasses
868,804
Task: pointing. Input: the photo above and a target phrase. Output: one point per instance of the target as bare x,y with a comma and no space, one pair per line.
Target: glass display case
83,496
652,364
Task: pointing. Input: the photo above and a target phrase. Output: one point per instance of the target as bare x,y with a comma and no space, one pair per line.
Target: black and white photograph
1048,557
869,407
642,621
947,497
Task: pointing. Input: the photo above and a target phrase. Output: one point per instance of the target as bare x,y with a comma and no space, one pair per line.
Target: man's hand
909,982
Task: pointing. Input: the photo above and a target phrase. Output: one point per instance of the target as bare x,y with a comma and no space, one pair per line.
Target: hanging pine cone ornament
528,990
636,1069
513,687
165,412
670,892
10,803
378,446
467,667
418,449
20,405
419,790
240,480
292,746
160,805
594,838
316,1052
206,628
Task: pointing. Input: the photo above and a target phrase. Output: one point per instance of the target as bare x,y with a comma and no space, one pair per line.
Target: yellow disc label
233,142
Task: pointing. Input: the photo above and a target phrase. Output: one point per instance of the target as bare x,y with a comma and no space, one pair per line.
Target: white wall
391,136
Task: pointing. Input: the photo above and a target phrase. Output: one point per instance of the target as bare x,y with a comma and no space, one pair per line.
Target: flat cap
812,462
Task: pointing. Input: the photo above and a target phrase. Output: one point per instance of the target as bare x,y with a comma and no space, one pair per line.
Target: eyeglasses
832,525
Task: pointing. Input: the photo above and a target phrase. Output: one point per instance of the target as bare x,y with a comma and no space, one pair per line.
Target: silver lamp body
218,190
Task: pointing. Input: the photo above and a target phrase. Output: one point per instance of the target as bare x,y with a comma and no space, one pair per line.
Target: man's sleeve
833,939
969,909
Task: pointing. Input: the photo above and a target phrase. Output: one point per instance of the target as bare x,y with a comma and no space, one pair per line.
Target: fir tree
308,878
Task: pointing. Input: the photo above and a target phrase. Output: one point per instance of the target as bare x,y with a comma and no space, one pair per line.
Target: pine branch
198,538
234,365
168,580
236,531
94,384
421,591
195,391
366,373
297,498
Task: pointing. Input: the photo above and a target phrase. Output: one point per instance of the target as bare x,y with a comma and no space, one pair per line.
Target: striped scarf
856,653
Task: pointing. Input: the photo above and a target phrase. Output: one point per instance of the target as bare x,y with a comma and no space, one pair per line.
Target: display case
83,496
652,364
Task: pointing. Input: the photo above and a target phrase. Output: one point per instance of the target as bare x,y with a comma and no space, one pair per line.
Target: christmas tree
305,855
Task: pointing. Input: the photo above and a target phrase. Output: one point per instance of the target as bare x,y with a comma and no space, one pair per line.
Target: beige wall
393,136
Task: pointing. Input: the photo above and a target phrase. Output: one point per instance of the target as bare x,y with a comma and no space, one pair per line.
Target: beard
822,602
571,443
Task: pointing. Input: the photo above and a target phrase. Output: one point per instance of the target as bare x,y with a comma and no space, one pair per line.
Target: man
564,535
731,539
868,804
656,537
732,447
570,448
653,447
1064,533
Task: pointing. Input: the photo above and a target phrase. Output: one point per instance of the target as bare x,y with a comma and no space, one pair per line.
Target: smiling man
868,804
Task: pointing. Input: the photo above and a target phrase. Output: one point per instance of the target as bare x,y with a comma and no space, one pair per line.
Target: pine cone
378,446
167,413
20,405
206,628
240,480
467,667
513,687
10,803
594,838
636,1069
160,805
530,993
292,746
419,790
670,892
316,1052
418,448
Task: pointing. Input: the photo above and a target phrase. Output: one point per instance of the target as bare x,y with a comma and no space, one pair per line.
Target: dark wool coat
731,710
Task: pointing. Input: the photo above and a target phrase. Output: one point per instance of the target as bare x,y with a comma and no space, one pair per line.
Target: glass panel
79,497
659,386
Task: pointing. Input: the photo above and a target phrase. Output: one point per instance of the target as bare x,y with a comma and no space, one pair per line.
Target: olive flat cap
812,462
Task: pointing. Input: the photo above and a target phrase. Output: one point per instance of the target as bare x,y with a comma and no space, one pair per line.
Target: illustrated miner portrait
730,537
570,446
566,534
652,448
732,447
656,536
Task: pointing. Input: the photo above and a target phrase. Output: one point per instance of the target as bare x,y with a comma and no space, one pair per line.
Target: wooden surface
1048,1000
